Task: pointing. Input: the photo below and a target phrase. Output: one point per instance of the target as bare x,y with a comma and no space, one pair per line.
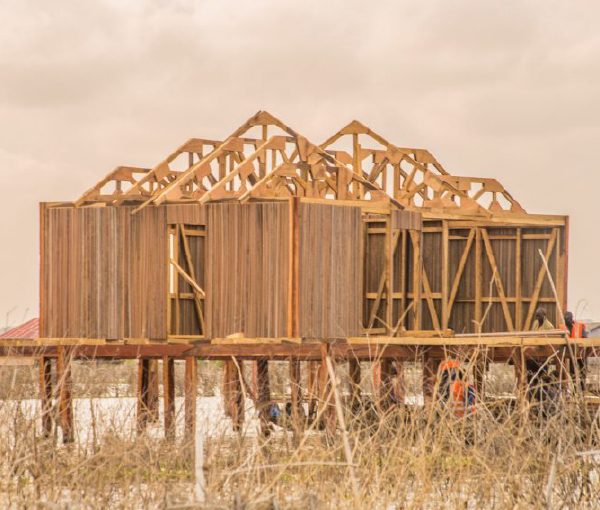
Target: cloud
505,89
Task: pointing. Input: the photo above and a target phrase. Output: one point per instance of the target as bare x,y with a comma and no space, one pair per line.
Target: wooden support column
65,397
430,370
233,394
521,377
169,396
326,407
518,281
391,242
417,275
478,278
386,385
263,395
297,411
153,393
398,386
312,393
355,378
142,394
445,275
190,392
45,366
479,370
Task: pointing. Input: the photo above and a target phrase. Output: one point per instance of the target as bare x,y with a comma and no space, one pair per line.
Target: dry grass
406,457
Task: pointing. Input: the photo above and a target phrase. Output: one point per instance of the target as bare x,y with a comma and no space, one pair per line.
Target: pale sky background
506,89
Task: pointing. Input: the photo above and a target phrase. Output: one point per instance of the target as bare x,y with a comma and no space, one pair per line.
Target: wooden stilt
142,394
190,392
297,411
386,385
65,397
328,420
376,367
153,393
479,370
263,395
398,387
430,370
45,365
169,396
355,379
521,377
232,394
312,393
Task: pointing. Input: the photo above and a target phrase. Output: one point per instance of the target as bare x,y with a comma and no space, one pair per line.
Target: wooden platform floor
497,347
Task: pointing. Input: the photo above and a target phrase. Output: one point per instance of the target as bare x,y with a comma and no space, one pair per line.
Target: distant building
29,329
593,328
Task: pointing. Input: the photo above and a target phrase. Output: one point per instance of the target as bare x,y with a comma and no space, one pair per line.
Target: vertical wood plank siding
247,269
330,271
104,273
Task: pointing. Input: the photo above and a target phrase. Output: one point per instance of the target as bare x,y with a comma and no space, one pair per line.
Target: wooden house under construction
264,246
266,235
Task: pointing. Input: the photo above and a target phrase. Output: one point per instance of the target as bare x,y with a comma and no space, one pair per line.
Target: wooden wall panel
247,277
506,300
104,273
330,269
148,262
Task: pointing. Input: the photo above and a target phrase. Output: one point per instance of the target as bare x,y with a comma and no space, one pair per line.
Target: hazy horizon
505,90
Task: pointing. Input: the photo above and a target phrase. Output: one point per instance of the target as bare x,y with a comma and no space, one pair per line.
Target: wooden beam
153,391
430,371
498,280
445,275
478,280
45,393
540,281
459,272
190,394
355,380
142,394
169,397
65,397
297,411
263,395
233,394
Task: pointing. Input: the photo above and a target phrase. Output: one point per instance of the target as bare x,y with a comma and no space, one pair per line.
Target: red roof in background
30,329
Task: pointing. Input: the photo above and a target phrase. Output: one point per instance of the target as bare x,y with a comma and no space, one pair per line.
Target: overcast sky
507,89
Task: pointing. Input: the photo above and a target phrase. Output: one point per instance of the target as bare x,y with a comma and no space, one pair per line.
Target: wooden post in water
169,396
65,397
45,366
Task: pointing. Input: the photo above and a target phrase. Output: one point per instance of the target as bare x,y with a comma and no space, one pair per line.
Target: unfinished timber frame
264,246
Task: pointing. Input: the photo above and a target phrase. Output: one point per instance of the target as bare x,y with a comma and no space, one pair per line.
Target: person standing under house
576,330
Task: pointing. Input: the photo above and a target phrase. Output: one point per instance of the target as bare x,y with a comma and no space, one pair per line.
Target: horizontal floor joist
407,348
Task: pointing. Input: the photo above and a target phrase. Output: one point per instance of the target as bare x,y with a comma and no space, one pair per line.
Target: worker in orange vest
576,330
454,389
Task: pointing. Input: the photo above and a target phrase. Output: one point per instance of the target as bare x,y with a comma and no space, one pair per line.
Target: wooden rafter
419,180
121,179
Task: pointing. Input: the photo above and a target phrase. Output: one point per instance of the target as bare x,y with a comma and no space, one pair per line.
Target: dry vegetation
407,457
